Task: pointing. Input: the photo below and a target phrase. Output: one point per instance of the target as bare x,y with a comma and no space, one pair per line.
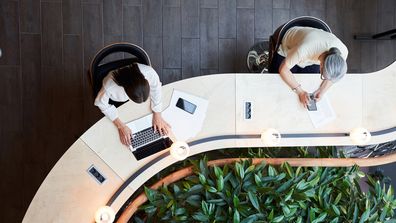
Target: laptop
146,142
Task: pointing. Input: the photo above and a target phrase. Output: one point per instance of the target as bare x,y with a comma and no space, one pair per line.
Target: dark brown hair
133,81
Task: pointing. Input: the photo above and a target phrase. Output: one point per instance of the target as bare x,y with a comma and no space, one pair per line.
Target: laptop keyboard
144,137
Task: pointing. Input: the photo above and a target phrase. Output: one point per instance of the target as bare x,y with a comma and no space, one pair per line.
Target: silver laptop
145,141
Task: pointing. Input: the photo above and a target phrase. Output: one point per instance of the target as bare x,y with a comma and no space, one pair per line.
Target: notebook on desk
146,142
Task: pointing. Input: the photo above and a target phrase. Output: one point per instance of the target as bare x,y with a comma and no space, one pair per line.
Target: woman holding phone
310,50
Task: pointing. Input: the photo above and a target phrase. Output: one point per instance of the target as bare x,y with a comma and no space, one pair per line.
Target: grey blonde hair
335,67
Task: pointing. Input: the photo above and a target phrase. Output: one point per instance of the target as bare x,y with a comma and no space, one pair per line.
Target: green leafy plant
248,193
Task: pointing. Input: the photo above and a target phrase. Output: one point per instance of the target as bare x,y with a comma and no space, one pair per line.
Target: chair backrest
307,21
99,70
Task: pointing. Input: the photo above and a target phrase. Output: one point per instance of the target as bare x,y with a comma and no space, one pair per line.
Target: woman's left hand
324,86
318,95
159,124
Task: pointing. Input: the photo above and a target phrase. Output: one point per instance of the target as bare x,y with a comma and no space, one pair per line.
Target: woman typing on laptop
135,82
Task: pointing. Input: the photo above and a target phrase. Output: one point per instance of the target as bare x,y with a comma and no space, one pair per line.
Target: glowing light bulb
180,150
360,136
105,215
270,137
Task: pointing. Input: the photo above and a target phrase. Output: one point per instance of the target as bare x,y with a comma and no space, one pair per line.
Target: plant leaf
203,167
278,218
314,181
180,211
271,215
218,202
298,170
202,179
302,185
289,195
205,207
194,200
370,181
257,179
170,203
200,217
271,171
254,201
176,189
310,193
338,198
150,193
137,219
289,169
311,214
284,186
220,183
365,216
211,189
383,214
250,219
320,218
336,210
195,189
236,218
218,171
355,214
286,210
235,201
250,169
239,170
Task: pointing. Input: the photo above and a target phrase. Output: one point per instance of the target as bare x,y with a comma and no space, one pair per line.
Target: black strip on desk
152,148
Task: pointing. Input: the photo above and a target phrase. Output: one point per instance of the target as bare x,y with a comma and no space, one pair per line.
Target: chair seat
305,21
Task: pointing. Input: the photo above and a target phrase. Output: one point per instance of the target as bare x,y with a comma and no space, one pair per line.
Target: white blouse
304,45
111,90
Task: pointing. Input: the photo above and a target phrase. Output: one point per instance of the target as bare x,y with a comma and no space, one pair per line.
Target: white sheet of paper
185,125
324,114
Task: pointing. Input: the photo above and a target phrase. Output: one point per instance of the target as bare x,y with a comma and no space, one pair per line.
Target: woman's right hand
125,135
304,98
124,132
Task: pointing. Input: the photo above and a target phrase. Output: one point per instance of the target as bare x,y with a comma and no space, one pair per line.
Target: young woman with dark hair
135,82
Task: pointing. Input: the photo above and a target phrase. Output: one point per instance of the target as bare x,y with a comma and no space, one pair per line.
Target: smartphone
186,105
312,103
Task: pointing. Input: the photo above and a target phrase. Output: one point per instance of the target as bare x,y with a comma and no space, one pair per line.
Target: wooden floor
47,46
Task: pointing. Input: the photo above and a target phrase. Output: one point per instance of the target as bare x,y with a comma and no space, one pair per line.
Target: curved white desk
69,194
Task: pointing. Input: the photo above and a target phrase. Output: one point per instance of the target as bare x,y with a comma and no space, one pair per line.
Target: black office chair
308,21
98,70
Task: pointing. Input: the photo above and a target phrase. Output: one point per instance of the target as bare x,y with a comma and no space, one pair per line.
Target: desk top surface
69,194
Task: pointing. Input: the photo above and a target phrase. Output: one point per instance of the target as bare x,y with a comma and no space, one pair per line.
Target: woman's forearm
288,77
118,123
325,85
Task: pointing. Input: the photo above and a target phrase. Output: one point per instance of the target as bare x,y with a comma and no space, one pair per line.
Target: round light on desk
105,215
180,150
270,137
360,136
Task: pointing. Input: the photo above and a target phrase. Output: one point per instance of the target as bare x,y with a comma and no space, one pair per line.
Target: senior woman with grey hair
310,50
